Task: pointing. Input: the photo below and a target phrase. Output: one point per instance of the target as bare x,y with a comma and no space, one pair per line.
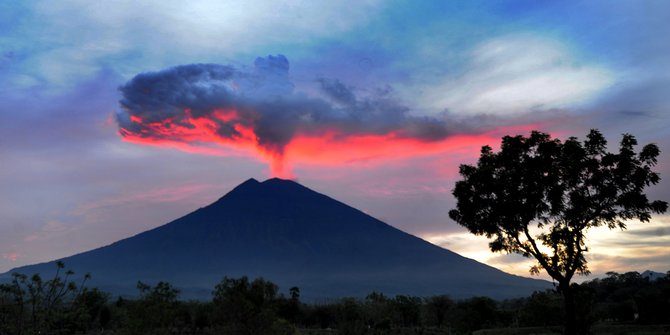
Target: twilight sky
118,117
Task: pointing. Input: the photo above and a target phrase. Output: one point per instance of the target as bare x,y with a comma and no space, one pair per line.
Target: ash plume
204,104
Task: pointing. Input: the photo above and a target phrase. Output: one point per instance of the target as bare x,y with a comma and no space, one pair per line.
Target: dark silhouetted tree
437,307
289,309
92,310
378,311
350,317
542,309
473,314
244,307
407,310
155,309
294,292
538,197
30,304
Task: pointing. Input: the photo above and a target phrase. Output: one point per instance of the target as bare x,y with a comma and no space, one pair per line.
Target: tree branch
540,257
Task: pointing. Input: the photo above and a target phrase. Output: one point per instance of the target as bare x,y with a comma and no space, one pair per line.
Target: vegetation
243,306
539,196
31,305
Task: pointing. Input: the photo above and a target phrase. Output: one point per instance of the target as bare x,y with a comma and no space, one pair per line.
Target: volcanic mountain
292,236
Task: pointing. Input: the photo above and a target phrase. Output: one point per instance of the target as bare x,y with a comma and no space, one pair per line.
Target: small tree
244,307
437,307
30,304
538,191
156,308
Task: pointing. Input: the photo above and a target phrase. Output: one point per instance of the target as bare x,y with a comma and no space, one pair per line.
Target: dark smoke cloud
265,100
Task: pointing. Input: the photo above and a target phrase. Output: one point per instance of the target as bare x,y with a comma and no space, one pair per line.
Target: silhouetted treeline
31,305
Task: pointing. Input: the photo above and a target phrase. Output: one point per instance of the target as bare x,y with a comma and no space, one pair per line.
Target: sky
119,116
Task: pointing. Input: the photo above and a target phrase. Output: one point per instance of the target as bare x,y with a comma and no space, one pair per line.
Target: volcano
292,236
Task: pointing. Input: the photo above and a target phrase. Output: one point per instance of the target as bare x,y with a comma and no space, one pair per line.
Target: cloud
477,248
228,110
160,195
48,230
10,256
641,247
651,232
199,24
518,74
127,36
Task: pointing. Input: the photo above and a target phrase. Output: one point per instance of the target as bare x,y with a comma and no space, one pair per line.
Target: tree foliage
156,308
248,307
438,307
538,196
562,188
31,304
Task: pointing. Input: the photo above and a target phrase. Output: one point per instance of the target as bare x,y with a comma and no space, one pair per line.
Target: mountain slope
292,236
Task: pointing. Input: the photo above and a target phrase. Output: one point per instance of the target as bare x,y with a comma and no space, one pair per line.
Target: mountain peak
283,231
278,180
281,183
252,189
249,186
272,183
250,181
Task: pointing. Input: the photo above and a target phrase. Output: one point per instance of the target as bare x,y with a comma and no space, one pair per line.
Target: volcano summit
293,236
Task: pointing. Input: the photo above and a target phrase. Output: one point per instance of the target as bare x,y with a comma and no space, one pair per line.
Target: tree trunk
570,326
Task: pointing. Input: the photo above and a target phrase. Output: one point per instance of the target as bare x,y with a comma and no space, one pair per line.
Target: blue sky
479,69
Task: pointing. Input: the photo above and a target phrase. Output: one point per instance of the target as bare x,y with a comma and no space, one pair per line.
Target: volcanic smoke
222,110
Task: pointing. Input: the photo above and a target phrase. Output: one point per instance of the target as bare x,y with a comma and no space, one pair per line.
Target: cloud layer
212,108
517,74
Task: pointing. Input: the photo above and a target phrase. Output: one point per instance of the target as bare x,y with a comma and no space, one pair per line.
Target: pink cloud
10,256
159,195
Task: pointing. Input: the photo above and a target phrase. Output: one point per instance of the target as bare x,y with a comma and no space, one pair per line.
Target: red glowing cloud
220,110
202,136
